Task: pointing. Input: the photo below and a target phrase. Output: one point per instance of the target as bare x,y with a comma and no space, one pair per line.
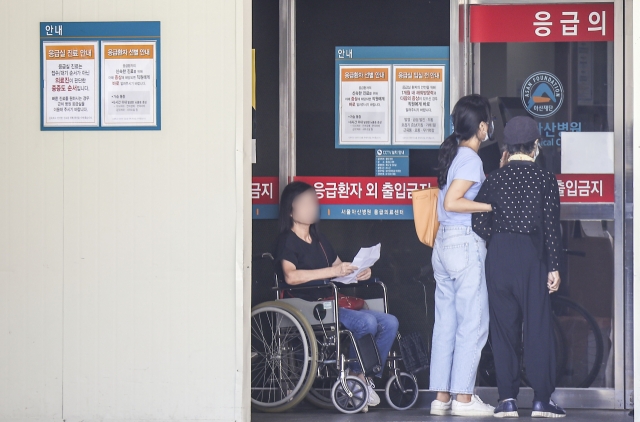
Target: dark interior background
321,26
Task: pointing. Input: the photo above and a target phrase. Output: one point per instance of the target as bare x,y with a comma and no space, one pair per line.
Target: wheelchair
298,351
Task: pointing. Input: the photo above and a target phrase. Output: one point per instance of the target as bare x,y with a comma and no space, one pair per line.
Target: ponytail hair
468,113
448,151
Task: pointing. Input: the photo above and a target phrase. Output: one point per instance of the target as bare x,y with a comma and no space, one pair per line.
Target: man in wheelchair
304,256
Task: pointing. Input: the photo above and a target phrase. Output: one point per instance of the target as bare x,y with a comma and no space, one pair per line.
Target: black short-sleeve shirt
305,256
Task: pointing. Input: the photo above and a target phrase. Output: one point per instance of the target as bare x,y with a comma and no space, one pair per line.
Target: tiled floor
388,415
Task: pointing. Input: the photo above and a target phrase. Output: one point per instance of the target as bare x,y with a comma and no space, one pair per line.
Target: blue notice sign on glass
392,162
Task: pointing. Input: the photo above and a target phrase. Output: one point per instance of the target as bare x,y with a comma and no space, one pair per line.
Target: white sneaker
441,408
475,407
374,399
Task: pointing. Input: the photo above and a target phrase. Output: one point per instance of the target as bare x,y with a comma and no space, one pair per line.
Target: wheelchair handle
261,255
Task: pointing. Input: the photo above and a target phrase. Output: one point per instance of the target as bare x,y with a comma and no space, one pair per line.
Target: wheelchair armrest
303,287
364,283
359,283
329,285
336,286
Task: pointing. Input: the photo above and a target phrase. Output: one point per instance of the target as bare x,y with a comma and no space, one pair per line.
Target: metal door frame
465,75
462,71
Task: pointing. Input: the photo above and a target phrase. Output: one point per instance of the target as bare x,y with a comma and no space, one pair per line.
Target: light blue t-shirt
466,166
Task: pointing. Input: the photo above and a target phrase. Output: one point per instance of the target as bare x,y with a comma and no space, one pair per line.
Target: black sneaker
506,409
547,410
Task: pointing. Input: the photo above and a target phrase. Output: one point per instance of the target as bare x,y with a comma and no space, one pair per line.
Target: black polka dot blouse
525,200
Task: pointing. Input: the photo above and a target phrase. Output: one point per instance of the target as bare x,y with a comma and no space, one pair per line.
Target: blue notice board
392,162
100,76
393,97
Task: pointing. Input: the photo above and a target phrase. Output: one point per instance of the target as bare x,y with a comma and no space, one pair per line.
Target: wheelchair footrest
369,355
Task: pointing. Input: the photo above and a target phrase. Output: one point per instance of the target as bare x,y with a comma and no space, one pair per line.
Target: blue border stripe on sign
264,212
103,29
366,212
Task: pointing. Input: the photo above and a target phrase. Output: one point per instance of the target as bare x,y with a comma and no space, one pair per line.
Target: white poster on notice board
70,73
587,152
418,106
129,83
365,105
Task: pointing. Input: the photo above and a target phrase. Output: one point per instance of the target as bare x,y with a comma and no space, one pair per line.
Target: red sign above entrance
389,198
541,22
582,188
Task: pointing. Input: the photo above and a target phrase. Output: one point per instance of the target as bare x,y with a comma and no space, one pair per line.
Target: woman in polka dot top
523,259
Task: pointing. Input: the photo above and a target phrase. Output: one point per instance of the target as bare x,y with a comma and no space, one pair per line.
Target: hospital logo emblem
542,94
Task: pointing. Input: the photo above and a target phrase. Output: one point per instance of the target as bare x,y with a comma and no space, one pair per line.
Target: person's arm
293,276
551,228
482,221
454,200
551,225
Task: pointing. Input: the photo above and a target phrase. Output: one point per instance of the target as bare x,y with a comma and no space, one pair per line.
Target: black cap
521,130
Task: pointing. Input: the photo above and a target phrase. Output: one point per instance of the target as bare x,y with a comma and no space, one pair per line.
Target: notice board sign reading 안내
391,96
364,105
418,105
100,76
128,83
70,97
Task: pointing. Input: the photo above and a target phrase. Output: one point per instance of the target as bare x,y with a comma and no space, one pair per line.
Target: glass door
361,203
557,64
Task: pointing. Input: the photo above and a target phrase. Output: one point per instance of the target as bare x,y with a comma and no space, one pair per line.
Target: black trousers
520,311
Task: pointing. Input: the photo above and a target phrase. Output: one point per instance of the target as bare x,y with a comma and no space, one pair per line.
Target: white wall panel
123,276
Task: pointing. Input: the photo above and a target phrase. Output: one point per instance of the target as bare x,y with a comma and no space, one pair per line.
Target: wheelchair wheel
320,392
402,391
359,395
283,356
583,344
579,344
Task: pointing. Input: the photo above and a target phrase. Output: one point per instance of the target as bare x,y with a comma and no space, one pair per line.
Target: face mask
489,131
535,155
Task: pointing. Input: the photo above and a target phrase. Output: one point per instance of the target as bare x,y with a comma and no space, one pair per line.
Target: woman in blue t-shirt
461,304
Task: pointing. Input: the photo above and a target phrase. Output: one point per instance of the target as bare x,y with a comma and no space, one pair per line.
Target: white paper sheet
365,258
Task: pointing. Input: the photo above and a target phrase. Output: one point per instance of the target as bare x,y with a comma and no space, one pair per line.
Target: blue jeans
461,309
383,327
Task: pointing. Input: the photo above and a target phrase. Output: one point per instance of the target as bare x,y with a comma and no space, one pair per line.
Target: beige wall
124,287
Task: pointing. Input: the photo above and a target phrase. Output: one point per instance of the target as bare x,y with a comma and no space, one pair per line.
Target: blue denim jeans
461,309
383,327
